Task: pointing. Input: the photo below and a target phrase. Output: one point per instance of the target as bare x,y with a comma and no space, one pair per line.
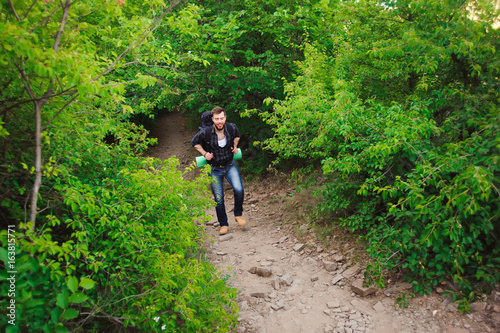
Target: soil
311,285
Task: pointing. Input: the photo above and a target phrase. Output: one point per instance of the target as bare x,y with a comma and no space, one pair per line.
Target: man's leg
217,176
234,178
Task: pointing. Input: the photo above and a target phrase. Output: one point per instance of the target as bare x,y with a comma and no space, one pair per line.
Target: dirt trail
309,288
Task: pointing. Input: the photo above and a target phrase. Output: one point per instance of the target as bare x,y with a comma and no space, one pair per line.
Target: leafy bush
124,257
404,119
104,238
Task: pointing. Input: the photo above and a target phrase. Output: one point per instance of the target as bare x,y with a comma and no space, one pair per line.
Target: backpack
206,120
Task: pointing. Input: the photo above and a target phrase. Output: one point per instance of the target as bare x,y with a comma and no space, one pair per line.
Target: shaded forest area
393,104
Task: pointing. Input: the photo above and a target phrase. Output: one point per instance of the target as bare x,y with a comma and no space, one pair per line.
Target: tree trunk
38,161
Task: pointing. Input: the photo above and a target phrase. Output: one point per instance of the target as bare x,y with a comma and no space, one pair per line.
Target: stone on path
282,239
351,272
276,283
337,278
278,305
259,294
299,247
225,237
379,307
358,288
333,304
338,258
264,272
478,306
330,266
261,271
287,279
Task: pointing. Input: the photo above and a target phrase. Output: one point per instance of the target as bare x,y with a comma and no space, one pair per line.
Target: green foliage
402,301
112,240
402,112
236,54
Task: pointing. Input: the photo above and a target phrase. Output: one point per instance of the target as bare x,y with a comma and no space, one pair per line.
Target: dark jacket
207,138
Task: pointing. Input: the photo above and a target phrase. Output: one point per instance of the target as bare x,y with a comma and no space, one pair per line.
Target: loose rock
259,294
336,279
224,238
358,288
263,271
278,305
276,283
478,306
299,247
333,304
287,280
379,307
351,272
330,266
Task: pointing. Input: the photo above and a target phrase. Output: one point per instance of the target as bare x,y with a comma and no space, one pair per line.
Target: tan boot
223,230
241,221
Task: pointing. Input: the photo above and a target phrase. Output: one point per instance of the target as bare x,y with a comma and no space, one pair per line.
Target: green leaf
87,283
62,299
78,298
72,283
56,314
70,314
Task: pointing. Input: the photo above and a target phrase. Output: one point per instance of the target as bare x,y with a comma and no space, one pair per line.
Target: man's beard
221,127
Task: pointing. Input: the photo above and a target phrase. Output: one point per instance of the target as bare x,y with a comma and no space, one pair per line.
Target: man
218,143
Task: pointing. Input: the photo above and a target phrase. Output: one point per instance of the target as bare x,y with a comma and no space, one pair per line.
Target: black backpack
206,120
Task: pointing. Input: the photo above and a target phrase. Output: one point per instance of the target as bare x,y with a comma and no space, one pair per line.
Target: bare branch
64,17
59,112
69,92
14,10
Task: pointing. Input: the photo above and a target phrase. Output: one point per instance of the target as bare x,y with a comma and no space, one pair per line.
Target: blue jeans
232,175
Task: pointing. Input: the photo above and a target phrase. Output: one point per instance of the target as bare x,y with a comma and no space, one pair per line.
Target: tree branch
59,112
14,11
64,17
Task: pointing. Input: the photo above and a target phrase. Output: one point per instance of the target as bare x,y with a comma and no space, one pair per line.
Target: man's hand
234,150
209,156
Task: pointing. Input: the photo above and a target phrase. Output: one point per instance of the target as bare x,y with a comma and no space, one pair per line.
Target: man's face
219,120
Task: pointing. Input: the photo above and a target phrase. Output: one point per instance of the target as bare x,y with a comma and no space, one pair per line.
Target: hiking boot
241,221
223,230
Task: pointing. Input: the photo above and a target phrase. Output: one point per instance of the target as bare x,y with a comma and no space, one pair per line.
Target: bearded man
218,144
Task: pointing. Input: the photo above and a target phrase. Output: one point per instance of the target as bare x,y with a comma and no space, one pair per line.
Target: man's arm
234,148
202,151
236,140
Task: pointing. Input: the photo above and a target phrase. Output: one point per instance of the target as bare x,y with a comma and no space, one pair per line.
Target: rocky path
288,282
